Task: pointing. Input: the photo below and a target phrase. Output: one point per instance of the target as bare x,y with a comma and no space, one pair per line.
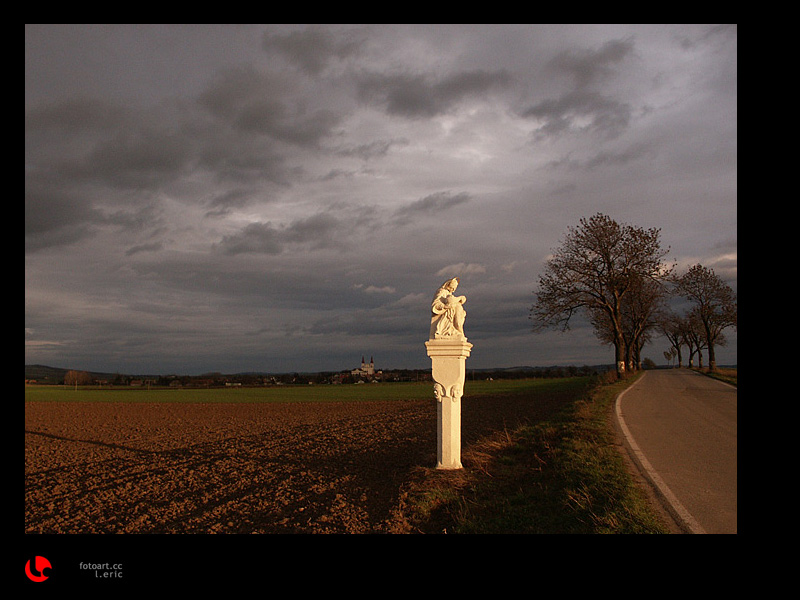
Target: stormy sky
289,197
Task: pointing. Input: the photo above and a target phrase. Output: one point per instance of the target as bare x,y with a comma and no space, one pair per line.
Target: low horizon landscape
46,373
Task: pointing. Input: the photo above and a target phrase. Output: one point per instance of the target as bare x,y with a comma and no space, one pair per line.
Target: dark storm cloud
579,111
224,203
254,101
153,247
144,157
587,66
326,231
433,204
420,96
74,115
244,160
54,216
318,232
313,49
261,238
605,158
93,143
583,108
374,149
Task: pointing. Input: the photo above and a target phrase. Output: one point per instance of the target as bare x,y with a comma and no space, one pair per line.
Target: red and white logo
40,563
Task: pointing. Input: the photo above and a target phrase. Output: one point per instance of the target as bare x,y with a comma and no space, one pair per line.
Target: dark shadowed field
334,467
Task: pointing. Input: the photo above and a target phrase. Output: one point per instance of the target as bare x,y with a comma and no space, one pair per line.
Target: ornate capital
454,393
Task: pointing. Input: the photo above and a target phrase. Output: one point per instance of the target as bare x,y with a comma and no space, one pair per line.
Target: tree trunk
712,358
619,355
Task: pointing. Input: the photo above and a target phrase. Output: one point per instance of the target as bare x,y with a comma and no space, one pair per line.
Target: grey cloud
307,130
63,212
225,202
724,30
609,158
235,88
260,238
605,158
74,115
259,102
417,96
319,231
584,108
153,247
394,319
139,158
113,157
431,204
334,174
243,160
581,111
373,149
313,49
146,217
55,216
461,269
586,66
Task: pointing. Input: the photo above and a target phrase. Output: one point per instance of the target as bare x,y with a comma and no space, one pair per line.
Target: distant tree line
713,309
218,380
615,276
550,372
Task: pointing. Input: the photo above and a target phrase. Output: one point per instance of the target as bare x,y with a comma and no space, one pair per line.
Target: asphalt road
680,427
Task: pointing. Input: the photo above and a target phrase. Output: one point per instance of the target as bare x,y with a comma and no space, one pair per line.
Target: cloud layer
275,198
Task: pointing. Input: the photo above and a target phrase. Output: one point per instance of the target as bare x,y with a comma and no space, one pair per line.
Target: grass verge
564,474
727,375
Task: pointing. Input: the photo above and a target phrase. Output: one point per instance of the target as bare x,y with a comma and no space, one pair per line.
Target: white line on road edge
686,520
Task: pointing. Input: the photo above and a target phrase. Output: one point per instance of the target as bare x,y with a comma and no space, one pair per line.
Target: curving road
680,427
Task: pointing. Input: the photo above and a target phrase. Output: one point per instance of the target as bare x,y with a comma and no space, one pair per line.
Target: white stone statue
448,349
447,312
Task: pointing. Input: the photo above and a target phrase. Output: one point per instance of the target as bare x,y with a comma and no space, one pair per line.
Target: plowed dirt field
334,467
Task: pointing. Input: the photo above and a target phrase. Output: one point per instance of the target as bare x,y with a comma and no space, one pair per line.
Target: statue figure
448,350
447,312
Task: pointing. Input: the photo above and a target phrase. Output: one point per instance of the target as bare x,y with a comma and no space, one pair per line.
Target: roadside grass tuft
726,374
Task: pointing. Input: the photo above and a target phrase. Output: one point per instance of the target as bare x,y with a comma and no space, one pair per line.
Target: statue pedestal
448,358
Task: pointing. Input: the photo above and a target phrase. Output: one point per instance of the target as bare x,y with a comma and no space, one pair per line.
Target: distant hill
45,374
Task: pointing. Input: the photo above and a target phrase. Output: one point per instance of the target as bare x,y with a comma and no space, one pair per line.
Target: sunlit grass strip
727,375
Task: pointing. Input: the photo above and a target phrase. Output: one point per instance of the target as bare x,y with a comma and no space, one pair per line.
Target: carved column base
448,358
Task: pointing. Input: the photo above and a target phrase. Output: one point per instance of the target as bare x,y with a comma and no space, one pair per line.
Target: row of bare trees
615,275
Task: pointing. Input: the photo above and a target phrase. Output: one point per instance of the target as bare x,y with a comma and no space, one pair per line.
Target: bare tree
641,312
597,266
694,338
77,378
714,305
673,327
